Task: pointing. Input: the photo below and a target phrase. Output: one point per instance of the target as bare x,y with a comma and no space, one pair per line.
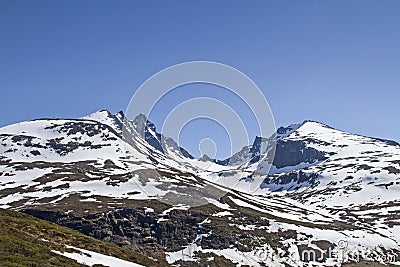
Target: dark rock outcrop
292,153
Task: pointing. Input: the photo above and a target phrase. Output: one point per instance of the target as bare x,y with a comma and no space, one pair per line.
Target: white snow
91,258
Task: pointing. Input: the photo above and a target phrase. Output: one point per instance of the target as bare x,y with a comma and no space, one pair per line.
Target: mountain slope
26,241
84,156
100,176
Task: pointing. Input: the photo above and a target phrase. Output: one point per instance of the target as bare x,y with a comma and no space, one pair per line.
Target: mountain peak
313,122
205,157
140,123
105,117
140,117
102,113
120,114
286,131
307,125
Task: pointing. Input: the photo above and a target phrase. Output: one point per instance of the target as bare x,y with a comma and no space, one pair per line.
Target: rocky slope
28,241
100,176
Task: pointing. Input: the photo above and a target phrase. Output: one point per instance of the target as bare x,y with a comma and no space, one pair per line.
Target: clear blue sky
337,62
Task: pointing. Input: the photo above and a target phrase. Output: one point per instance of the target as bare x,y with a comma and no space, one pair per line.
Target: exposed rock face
155,139
292,153
290,181
109,164
283,130
287,153
150,232
145,232
257,149
171,144
143,126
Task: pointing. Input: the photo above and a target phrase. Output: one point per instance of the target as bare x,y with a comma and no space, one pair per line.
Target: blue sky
337,62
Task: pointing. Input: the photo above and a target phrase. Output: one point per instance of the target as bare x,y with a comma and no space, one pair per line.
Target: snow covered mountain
98,175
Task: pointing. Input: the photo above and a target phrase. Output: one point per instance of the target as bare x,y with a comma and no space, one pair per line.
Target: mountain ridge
323,185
